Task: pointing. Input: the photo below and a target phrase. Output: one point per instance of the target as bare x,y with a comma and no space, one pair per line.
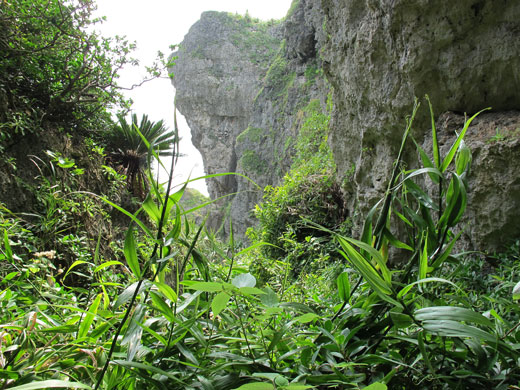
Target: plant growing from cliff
309,190
132,144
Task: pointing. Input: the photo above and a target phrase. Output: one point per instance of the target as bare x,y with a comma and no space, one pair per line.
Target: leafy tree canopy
54,68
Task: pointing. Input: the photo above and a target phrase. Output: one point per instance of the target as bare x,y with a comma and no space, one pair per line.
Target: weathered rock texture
241,83
217,75
493,210
378,56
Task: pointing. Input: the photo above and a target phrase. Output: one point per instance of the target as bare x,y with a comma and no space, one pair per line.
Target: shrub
309,191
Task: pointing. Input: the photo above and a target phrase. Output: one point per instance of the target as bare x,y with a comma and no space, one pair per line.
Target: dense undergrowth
179,309
164,304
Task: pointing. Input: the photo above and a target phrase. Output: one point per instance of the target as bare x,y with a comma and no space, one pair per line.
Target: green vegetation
292,8
53,70
308,191
278,78
252,162
164,304
251,134
132,143
177,308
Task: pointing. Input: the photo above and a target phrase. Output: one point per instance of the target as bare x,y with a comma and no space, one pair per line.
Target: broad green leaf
220,302
134,332
343,286
251,291
438,313
166,290
463,158
269,299
89,317
204,286
376,386
296,386
162,306
305,318
107,264
365,268
266,375
451,328
51,384
256,386
374,253
401,320
151,209
130,251
244,280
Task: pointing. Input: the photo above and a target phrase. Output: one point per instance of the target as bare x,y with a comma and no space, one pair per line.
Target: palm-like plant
131,144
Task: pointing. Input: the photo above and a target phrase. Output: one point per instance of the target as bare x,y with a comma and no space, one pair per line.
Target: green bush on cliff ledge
309,190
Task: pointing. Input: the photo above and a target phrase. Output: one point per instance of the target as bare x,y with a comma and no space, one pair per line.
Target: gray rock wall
218,73
241,83
378,56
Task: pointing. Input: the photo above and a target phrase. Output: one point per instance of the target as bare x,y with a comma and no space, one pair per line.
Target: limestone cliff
378,56
240,83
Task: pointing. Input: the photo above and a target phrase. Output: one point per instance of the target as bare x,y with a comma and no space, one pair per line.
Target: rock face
241,83
217,75
378,56
493,207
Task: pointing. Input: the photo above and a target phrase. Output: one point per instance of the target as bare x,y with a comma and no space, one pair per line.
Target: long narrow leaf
449,157
89,317
365,268
130,251
51,384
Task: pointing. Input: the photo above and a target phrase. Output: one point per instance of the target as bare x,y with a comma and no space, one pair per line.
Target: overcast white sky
155,25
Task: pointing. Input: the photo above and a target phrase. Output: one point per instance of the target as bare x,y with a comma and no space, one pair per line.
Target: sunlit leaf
516,291
449,157
256,386
204,286
307,317
107,264
453,313
51,384
244,280
270,298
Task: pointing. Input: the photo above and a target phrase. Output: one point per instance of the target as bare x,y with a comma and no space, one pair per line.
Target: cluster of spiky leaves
133,143
179,310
